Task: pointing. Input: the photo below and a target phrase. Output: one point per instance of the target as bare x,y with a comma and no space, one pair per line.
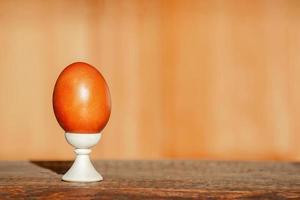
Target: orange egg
81,99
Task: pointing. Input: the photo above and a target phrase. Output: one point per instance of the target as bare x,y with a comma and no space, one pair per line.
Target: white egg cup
82,169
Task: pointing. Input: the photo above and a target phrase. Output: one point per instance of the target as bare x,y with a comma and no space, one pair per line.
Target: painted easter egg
81,99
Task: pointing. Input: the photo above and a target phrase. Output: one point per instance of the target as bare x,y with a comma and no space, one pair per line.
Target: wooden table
153,180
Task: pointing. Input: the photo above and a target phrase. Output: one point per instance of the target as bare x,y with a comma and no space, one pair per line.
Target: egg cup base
82,169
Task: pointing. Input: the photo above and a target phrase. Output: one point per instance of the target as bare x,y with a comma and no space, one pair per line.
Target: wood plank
165,179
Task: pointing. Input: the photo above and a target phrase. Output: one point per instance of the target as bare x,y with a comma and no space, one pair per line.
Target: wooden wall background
189,79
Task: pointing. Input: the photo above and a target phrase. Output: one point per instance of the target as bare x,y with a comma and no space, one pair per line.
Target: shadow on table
59,167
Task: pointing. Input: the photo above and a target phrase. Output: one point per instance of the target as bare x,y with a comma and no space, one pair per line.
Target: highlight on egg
81,99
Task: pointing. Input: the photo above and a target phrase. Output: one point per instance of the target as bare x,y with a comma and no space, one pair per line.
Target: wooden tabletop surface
165,179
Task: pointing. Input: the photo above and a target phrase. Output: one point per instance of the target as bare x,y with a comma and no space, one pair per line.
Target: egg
81,99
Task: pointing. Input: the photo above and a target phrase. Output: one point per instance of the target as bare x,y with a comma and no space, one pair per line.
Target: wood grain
212,79
165,179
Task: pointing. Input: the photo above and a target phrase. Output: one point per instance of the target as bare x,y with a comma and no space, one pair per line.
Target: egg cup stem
82,169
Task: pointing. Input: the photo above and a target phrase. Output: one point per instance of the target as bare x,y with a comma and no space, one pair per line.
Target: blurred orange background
189,79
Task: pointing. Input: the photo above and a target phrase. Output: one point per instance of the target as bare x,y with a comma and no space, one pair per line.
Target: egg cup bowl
82,169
